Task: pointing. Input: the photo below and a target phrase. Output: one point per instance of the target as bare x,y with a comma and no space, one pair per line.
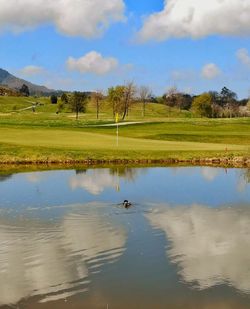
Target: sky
86,45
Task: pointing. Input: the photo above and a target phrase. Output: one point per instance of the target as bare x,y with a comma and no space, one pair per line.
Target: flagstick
117,128
117,135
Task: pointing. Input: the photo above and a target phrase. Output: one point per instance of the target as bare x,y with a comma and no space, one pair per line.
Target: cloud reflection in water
54,259
94,181
210,246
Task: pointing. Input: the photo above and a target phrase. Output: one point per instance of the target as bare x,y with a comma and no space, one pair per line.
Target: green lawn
226,131
46,136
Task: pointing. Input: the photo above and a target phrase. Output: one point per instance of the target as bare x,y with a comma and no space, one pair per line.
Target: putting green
77,140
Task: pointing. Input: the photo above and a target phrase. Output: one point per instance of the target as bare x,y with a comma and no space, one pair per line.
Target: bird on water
126,204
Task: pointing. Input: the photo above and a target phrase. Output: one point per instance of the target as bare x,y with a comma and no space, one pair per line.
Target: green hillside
42,135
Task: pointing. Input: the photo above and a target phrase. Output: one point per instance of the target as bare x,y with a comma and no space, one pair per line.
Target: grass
46,136
227,131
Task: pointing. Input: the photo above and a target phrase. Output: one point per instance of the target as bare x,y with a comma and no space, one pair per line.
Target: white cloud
197,18
243,56
31,70
210,71
72,17
92,62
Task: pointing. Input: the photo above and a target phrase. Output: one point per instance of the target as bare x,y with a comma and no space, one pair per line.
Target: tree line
211,104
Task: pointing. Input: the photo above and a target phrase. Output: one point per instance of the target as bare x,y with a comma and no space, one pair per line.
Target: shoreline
234,162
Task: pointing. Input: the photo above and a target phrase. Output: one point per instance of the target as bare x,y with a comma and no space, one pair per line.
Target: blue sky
191,44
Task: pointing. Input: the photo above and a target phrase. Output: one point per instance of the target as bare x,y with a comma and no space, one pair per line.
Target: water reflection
5,177
210,246
35,177
94,181
64,233
97,180
246,174
209,173
244,179
55,258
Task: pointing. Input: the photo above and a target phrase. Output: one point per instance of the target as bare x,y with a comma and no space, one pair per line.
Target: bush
202,105
53,99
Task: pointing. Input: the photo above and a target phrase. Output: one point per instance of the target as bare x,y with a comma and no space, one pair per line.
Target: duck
126,204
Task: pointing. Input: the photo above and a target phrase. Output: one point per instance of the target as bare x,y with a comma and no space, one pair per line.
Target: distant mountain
9,80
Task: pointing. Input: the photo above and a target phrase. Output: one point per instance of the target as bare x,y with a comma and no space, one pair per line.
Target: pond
67,241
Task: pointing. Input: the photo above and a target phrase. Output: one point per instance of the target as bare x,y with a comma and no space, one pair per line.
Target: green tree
60,106
202,105
24,90
229,101
78,103
64,98
53,99
227,96
216,97
115,98
217,110
121,98
185,101
170,98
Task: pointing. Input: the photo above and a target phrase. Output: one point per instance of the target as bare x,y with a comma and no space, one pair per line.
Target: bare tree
97,97
170,98
145,94
129,94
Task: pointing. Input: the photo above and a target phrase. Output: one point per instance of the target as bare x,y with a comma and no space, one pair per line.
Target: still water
66,241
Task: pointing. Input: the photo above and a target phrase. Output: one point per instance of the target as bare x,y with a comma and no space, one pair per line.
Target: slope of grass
46,135
153,111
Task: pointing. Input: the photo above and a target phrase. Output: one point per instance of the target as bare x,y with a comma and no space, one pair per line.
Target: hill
15,83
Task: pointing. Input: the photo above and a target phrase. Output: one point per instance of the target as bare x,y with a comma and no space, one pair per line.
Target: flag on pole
116,117
117,129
